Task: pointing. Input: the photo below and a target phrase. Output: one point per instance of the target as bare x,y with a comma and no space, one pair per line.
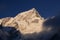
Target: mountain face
31,26
27,22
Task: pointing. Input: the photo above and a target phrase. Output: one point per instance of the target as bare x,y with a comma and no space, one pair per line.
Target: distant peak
33,9
27,22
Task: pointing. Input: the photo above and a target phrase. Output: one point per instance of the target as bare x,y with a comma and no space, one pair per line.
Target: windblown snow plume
32,26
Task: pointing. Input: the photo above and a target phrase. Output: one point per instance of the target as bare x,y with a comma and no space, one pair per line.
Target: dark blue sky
46,8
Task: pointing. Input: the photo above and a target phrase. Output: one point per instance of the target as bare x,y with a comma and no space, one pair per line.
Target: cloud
9,33
54,24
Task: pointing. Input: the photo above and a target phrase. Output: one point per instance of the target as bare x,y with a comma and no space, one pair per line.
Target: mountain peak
27,22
